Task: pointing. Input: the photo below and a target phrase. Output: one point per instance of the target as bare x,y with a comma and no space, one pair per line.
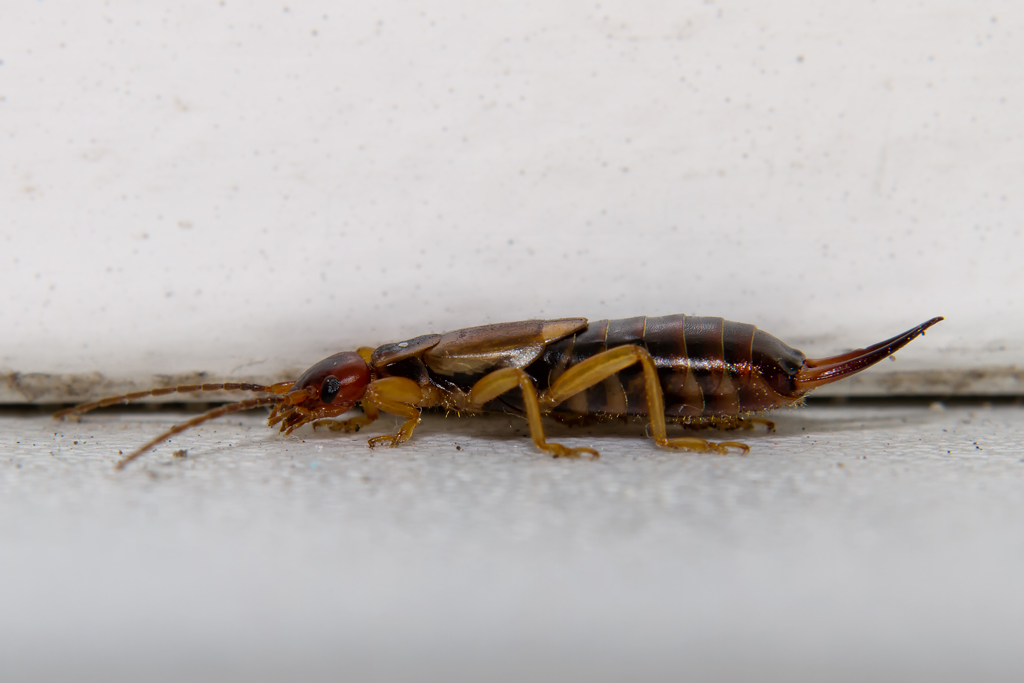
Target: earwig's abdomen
707,367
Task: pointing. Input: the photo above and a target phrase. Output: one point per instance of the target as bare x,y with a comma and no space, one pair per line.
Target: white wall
244,187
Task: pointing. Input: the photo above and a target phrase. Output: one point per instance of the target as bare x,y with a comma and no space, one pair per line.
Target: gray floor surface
856,542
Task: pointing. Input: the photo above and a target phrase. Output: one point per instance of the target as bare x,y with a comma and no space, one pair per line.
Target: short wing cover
478,350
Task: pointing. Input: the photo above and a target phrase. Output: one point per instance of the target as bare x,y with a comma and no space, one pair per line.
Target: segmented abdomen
704,365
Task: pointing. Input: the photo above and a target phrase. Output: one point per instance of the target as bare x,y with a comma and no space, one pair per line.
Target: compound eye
330,389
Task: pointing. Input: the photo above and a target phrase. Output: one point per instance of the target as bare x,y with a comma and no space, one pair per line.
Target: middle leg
495,384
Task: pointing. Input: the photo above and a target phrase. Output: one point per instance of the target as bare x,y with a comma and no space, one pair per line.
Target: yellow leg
761,421
398,396
497,383
598,368
353,424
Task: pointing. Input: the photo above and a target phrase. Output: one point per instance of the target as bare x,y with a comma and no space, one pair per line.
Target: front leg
398,396
352,424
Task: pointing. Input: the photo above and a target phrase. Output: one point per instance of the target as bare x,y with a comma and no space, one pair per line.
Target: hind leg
598,368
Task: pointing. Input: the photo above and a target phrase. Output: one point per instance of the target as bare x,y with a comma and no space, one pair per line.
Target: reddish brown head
791,375
331,387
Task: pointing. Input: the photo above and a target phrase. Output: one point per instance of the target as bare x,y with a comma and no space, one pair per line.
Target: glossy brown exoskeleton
693,370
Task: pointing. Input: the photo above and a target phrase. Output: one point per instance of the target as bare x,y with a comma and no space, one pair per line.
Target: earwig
699,372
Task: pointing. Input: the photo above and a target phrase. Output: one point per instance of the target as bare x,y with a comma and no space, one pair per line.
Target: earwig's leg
398,396
691,443
602,366
761,421
352,424
497,383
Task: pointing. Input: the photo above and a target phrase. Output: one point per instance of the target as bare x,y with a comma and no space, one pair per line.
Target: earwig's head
331,387
337,381
779,364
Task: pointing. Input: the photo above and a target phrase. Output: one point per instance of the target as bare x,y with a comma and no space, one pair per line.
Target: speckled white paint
244,187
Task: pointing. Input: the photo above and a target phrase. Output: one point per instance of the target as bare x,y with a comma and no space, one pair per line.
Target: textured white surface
243,188
861,543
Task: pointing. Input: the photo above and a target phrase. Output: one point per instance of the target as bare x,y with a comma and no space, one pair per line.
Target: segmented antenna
278,388
209,415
